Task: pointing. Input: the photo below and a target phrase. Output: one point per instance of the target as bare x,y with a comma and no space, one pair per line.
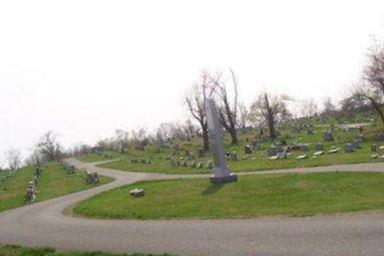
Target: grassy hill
54,182
258,160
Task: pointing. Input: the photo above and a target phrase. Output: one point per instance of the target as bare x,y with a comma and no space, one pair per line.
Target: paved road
43,224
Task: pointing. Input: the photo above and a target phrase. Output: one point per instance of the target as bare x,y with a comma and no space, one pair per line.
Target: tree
308,108
329,108
270,109
227,107
122,140
13,159
243,119
46,149
195,102
140,138
371,86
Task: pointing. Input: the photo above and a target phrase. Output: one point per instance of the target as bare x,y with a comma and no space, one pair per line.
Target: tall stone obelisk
221,172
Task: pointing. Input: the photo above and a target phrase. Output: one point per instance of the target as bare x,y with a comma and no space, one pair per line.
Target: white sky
85,68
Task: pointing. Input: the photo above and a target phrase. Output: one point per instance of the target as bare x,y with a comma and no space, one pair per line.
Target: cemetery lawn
255,162
14,250
54,182
252,196
261,163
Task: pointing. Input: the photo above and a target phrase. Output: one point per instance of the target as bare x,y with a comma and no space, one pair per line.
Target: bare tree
140,138
46,149
13,159
372,84
243,116
122,140
227,107
271,109
308,108
195,102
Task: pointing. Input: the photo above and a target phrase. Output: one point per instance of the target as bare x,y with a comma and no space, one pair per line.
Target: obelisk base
223,179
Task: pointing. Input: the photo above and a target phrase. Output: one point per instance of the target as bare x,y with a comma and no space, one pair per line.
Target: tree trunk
234,139
271,127
378,109
204,128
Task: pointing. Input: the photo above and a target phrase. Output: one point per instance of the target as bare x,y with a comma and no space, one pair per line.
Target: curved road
44,224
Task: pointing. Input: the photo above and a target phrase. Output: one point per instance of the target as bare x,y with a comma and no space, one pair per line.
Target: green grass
161,165
53,182
252,196
14,250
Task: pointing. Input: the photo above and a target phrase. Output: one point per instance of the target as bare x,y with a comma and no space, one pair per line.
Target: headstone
333,150
221,172
349,148
200,152
282,155
31,191
193,164
374,147
137,192
318,153
233,156
273,157
199,165
272,151
92,177
304,147
304,156
328,136
148,161
247,149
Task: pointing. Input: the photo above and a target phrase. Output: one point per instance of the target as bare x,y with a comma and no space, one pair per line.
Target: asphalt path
45,224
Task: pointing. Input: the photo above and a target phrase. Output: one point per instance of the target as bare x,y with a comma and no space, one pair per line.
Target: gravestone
200,152
374,147
272,151
199,165
137,192
247,150
349,148
31,191
328,136
233,156
282,155
221,172
304,156
92,177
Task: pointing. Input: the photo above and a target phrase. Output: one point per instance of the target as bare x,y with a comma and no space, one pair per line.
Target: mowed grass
161,165
252,196
53,182
13,250
261,163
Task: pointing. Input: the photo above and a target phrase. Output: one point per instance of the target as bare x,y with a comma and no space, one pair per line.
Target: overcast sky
85,68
